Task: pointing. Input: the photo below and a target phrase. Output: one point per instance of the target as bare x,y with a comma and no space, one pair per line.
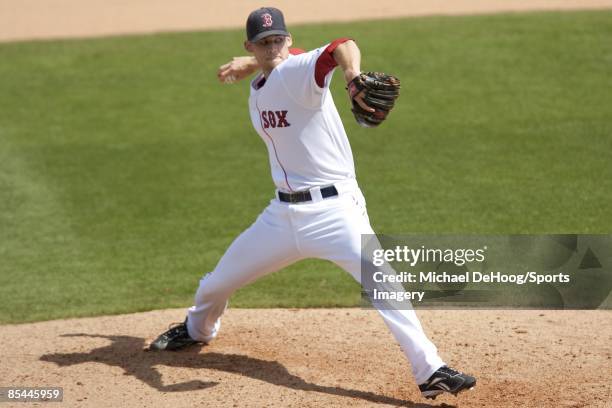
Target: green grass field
126,169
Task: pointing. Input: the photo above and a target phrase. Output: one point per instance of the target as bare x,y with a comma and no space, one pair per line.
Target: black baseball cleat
175,338
445,379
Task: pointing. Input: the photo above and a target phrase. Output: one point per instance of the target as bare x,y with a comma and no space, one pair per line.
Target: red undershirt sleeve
326,62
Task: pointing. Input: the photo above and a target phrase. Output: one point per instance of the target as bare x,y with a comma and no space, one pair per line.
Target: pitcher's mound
315,357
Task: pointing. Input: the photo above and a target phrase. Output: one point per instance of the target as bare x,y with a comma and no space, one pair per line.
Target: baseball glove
380,92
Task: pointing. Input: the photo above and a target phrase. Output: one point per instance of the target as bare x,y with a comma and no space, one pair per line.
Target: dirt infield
28,19
312,358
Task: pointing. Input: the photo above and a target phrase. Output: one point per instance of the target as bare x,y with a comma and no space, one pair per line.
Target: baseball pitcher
318,210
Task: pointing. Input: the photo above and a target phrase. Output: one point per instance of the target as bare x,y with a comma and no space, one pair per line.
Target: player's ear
248,46
289,41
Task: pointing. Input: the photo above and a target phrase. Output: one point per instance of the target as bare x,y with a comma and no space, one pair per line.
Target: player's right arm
241,67
236,69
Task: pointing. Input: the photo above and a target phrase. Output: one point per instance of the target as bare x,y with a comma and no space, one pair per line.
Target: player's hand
359,99
370,90
238,68
349,75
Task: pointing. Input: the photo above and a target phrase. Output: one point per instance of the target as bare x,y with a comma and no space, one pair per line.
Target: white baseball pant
284,233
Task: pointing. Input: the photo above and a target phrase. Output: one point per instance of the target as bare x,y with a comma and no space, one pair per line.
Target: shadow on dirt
129,354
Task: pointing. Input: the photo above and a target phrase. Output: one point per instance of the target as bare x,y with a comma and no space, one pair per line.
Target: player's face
270,51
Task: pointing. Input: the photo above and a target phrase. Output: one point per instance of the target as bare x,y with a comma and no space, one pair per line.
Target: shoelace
175,328
449,371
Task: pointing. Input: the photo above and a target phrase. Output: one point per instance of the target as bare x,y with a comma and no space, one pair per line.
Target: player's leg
335,234
266,246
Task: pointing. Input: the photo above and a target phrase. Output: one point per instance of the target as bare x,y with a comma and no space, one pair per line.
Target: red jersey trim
273,147
326,62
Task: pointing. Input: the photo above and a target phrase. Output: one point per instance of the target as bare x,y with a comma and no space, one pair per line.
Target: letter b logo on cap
267,20
264,22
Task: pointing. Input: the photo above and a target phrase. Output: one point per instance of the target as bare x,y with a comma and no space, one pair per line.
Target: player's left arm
348,57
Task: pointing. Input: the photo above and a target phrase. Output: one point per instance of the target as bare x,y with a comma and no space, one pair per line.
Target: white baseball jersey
294,113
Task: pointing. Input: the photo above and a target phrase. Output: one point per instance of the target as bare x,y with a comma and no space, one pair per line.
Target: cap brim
267,34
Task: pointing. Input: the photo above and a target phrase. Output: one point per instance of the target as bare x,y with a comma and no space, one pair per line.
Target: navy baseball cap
264,22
